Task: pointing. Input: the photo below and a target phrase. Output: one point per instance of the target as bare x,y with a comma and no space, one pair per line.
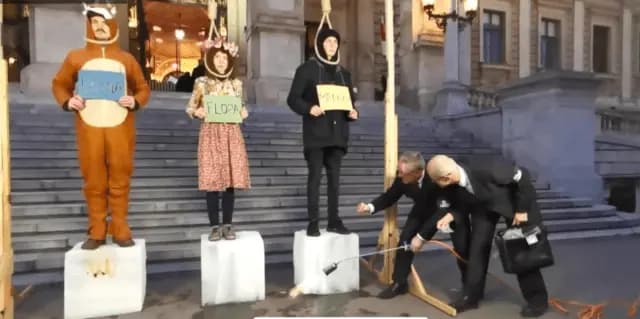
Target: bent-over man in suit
421,223
488,190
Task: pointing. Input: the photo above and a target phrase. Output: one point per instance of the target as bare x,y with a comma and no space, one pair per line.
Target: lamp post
452,97
470,8
179,33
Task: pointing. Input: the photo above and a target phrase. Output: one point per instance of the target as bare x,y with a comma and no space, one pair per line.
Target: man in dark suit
489,190
421,223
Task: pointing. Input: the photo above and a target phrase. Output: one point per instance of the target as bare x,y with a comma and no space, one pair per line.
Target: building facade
508,40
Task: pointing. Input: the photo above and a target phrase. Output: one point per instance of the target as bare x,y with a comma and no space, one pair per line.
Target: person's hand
353,114
520,218
416,244
443,223
76,103
127,101
200,113
244,113
363,209
316,111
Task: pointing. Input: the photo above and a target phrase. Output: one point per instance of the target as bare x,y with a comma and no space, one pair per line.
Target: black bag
518,256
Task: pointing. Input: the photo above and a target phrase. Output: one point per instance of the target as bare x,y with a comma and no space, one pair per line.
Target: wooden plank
6,253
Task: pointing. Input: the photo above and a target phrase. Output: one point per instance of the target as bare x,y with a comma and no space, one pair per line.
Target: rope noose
212,11
326,10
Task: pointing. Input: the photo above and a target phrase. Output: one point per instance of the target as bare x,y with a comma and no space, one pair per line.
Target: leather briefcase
524,249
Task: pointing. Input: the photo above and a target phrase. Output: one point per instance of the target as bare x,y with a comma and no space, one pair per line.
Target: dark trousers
331,159
483,225
213,206
414,223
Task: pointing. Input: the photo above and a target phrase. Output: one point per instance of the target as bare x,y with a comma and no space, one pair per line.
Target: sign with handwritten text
100,85
223,109
334,97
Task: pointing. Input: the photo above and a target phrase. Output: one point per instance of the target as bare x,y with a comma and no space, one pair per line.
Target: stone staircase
168,211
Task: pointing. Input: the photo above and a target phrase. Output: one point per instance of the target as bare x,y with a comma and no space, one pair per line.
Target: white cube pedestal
232,270
108,281
312,254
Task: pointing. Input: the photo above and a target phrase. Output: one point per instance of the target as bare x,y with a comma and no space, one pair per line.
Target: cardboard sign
223,109
100,85
334,97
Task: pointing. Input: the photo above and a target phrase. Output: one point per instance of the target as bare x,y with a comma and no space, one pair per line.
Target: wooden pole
389,235
6,252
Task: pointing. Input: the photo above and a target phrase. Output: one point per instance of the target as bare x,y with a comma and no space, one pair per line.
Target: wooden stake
6,252
389,235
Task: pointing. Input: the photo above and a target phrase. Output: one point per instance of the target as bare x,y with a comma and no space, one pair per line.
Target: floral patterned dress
222,155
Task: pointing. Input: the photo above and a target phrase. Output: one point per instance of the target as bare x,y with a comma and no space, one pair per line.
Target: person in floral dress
223,165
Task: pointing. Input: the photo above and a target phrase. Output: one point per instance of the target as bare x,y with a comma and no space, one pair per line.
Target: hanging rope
212,11
326,11
585,310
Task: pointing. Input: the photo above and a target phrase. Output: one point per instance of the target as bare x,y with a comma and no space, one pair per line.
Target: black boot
394,290
530,311
338,227
313,230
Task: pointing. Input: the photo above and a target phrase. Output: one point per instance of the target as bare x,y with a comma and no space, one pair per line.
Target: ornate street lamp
470,9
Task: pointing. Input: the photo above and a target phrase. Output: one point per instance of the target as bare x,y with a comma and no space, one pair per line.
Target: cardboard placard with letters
100,85
223,109
334,97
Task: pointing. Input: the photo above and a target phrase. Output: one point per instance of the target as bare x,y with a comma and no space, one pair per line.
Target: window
550,44
600,49
493,37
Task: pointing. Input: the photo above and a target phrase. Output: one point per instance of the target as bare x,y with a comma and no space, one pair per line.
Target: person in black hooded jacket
325,134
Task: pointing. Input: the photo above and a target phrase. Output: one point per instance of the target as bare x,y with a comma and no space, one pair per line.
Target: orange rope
585,311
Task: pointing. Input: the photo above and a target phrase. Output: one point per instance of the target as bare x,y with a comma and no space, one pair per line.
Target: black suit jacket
496,189
424,198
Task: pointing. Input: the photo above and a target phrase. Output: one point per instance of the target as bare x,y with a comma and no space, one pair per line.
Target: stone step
152,206
55,173
172,220
168,182
283,131
52,259
76,195
180,120
255,161
193,264
18,185
43,241
291,141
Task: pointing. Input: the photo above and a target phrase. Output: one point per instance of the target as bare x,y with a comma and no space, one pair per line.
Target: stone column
548,126
452,98
48,46
276,30
464,55
237,20
525,38
627,49
578,36
365,44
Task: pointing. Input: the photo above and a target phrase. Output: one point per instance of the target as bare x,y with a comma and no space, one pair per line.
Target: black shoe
92,244
532,312
124,243
313,230
338,228
394,290
465,303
